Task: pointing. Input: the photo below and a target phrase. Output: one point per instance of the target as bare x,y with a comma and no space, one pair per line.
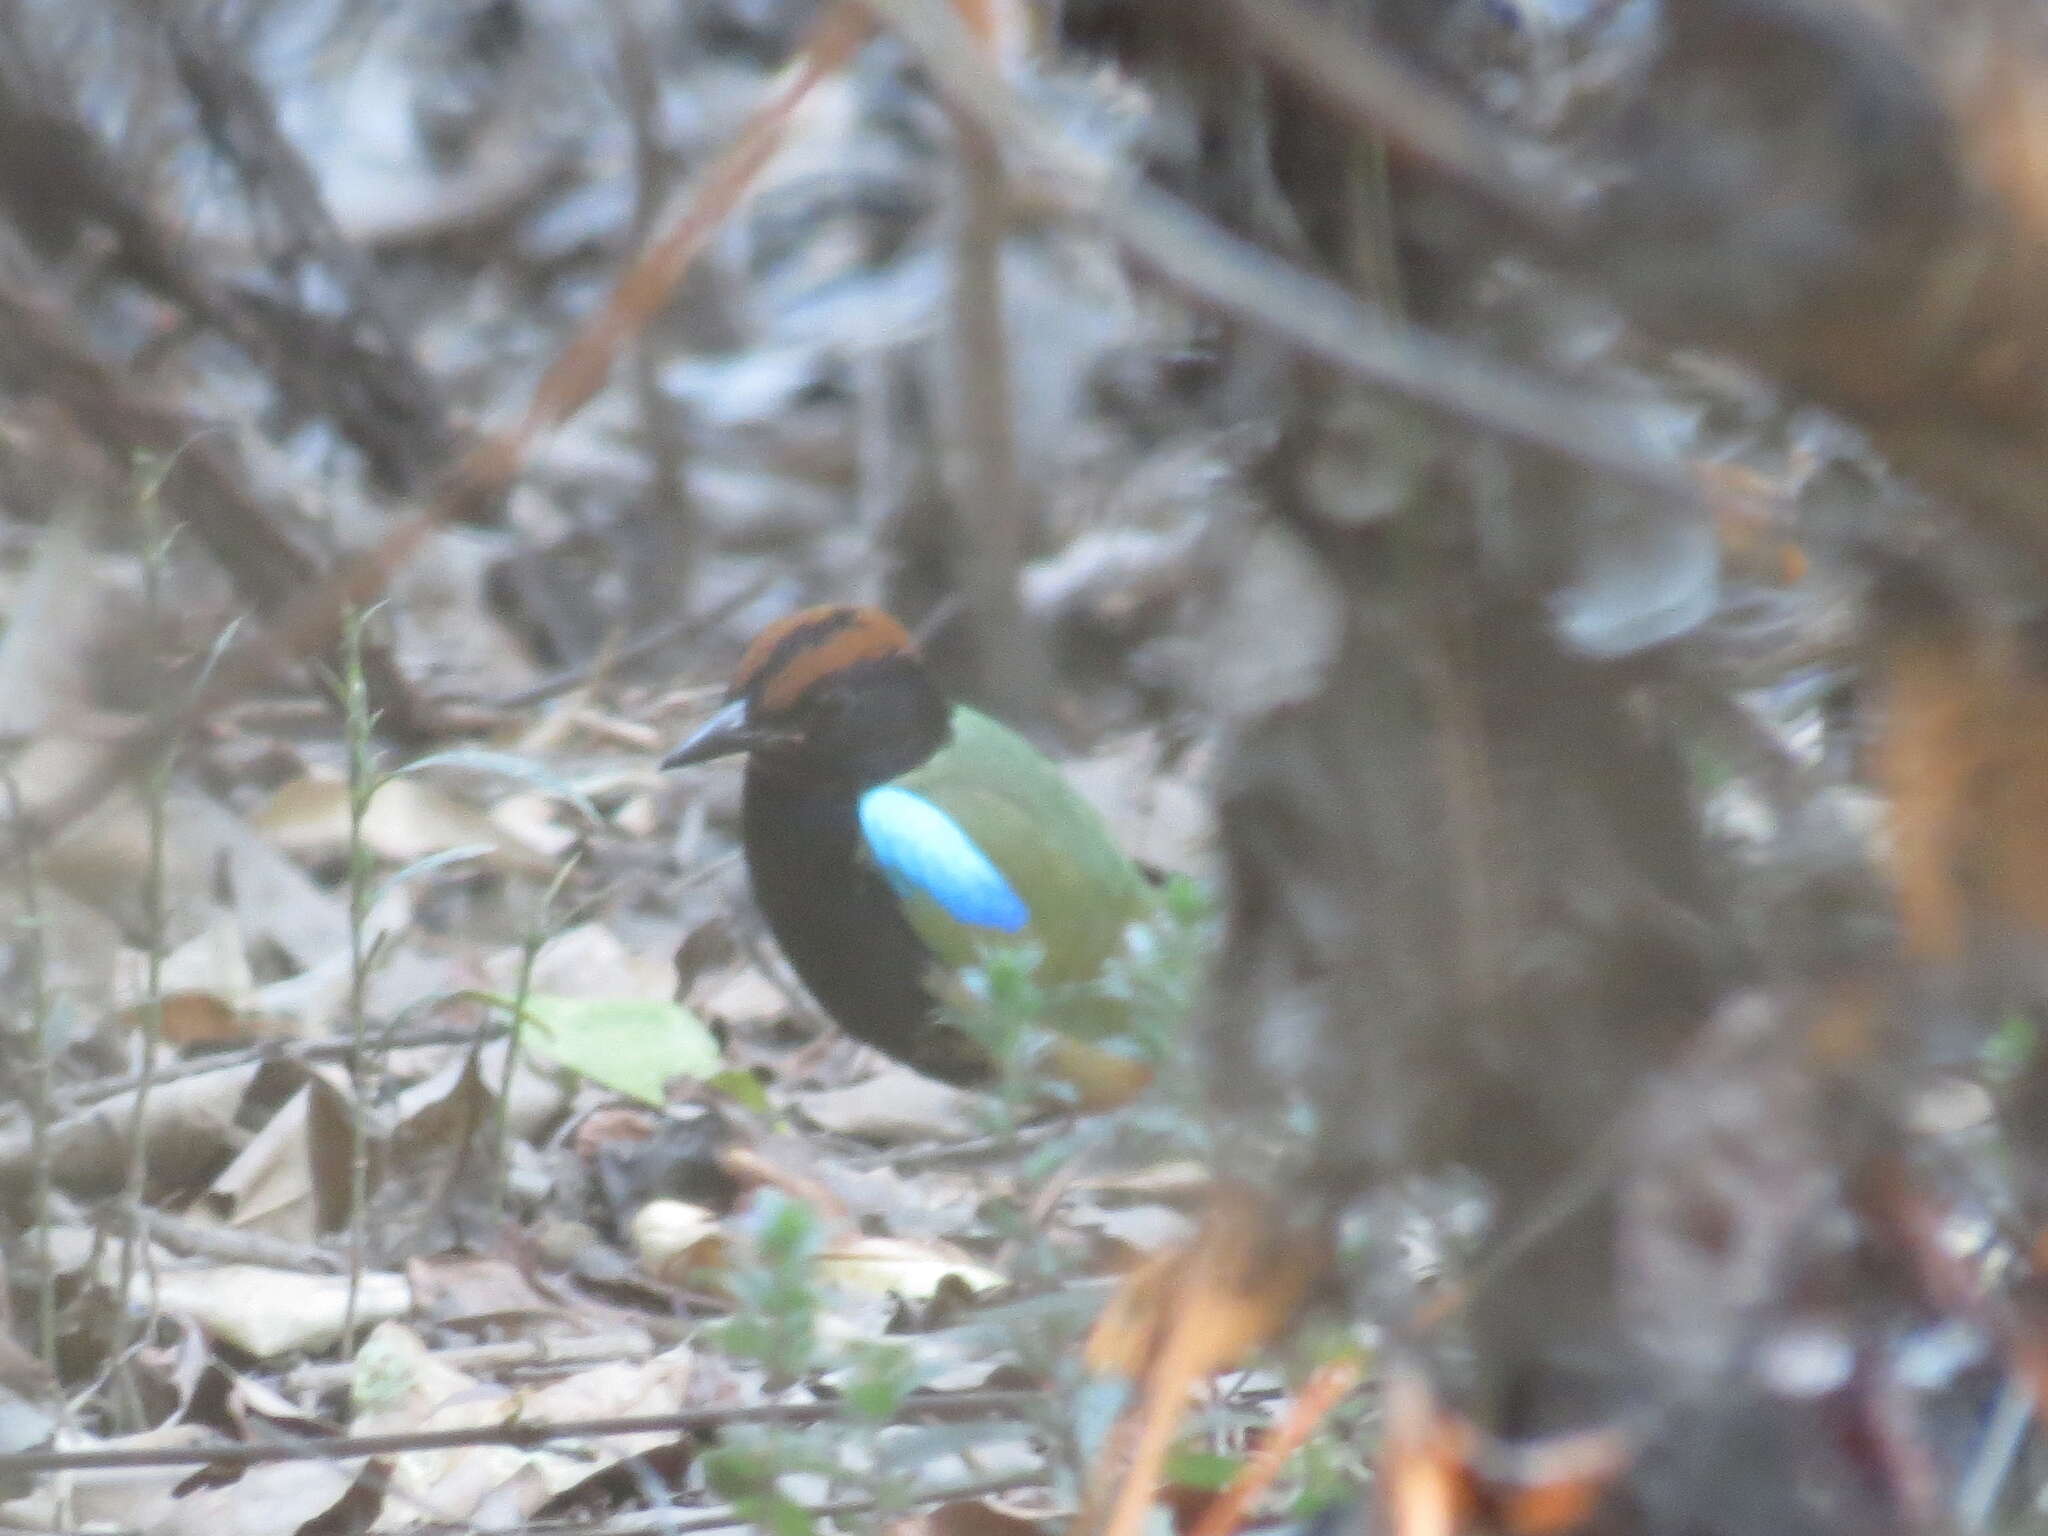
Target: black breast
840,924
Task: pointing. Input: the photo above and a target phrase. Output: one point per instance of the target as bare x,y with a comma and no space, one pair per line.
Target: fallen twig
512,1354
347,1447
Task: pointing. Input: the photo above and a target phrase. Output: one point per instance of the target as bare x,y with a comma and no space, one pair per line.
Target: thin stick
34,945
84,1097
530,946
348,1447
1527,178
155,918
993,512
514,1354
364,1078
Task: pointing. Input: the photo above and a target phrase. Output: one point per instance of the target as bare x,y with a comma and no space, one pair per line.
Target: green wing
1048,842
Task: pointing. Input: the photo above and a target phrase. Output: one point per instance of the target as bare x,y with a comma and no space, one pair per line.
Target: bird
894,840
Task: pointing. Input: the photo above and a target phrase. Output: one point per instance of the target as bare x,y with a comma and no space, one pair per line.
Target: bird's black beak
722,735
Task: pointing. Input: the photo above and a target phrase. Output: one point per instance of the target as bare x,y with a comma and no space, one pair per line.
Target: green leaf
883,1373
743,1088
1207,1470
631,1045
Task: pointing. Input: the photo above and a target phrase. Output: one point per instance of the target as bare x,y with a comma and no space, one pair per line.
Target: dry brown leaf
194,1018
291,1180
207,988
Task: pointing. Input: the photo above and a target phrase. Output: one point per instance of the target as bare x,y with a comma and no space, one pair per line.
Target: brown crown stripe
785,637
794,653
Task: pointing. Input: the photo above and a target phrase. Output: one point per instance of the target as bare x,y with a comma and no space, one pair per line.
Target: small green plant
1148,990
776,1303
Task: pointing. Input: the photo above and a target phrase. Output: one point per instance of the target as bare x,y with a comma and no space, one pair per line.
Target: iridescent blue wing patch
923,852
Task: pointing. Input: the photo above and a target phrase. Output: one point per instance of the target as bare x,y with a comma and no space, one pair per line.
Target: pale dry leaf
402,1386
307,817
272,1186
269,1312
190,1123
81,945
104,860
637,816
588,961
212,960
45,650
406,820
1142,1230
905,1267
895,1104
738,995
537,823
469,1288
407,976
263,1501
117,1498
676,1241
274,899
1164,819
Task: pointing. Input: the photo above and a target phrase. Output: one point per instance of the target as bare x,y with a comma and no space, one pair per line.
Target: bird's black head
836,693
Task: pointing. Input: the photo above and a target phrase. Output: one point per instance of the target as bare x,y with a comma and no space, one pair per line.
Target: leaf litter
443,1232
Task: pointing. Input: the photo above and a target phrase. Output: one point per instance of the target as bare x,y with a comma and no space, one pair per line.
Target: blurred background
1532,504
